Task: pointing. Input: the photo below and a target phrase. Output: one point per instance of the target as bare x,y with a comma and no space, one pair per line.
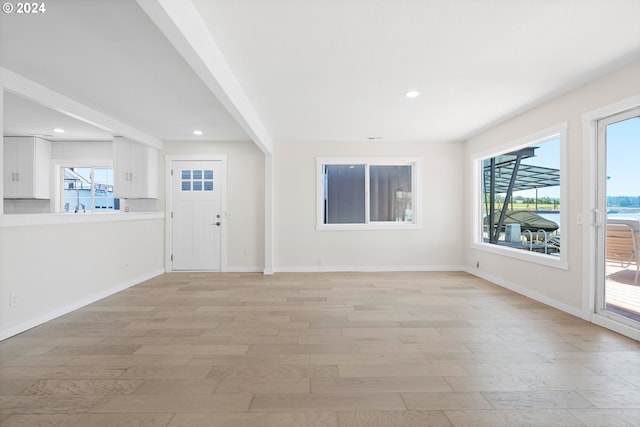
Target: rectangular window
87,189
367,193
521,195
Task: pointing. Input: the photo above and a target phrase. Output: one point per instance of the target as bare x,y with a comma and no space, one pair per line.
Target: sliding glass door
618,217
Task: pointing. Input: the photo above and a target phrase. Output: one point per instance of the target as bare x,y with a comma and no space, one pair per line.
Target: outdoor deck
620,290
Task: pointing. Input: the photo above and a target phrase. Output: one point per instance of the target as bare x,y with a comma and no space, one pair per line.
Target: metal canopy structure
506,174
528,177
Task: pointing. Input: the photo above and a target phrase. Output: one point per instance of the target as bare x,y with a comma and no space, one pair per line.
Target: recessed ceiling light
197,132
412,94
58,130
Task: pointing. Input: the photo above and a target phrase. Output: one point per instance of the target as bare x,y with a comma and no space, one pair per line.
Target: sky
623,158
548,156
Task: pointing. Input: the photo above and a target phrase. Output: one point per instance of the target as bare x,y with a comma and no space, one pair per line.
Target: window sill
22,220
395,226
532,257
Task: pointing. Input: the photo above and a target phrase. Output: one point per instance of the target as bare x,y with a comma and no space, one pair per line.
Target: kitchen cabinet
135,170
27,167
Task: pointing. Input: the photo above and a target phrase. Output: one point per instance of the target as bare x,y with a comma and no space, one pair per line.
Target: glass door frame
593,215
601,200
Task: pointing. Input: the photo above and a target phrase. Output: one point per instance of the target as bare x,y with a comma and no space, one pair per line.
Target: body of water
555,217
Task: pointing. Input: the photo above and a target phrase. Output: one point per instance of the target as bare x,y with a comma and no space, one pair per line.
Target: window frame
477,242
59,168
416,174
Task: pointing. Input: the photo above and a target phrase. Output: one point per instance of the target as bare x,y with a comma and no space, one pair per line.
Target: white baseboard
32,323
242,269
575,311
367,269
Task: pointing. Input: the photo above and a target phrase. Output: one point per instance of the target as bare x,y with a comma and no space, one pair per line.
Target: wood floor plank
513,418
393,418
431,401
380,384
310,349
268,402
253,419
138,403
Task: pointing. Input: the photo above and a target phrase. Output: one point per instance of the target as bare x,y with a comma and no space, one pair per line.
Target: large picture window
521,197
369,193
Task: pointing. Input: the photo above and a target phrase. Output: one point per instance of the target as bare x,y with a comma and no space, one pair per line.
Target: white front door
196,216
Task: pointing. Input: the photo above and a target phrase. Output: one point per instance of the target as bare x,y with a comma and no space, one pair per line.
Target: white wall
562,288
245,198
298,246
60,267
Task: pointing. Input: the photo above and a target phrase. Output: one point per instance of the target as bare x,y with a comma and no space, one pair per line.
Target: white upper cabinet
27,167
135,170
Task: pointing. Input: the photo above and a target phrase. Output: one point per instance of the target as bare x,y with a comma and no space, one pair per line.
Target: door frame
592,218
169,159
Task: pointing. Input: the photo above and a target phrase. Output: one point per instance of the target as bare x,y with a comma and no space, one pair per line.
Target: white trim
169,205
589,240
28,220
369,269
268,214
383,225
560,131
523,255
243,269
31,323
33,91
575,311
525,141
611,109
416,185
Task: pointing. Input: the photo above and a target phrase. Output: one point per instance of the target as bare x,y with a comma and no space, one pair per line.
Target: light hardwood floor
334,349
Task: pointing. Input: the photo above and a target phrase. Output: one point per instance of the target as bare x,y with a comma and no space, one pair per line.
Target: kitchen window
86,189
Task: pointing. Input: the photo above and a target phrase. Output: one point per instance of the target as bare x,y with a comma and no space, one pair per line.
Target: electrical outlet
13,300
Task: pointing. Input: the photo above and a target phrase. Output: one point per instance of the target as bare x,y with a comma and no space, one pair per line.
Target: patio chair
622,246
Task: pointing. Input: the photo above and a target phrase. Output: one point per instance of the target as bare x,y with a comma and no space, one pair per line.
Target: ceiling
109,56
331,70
23,117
